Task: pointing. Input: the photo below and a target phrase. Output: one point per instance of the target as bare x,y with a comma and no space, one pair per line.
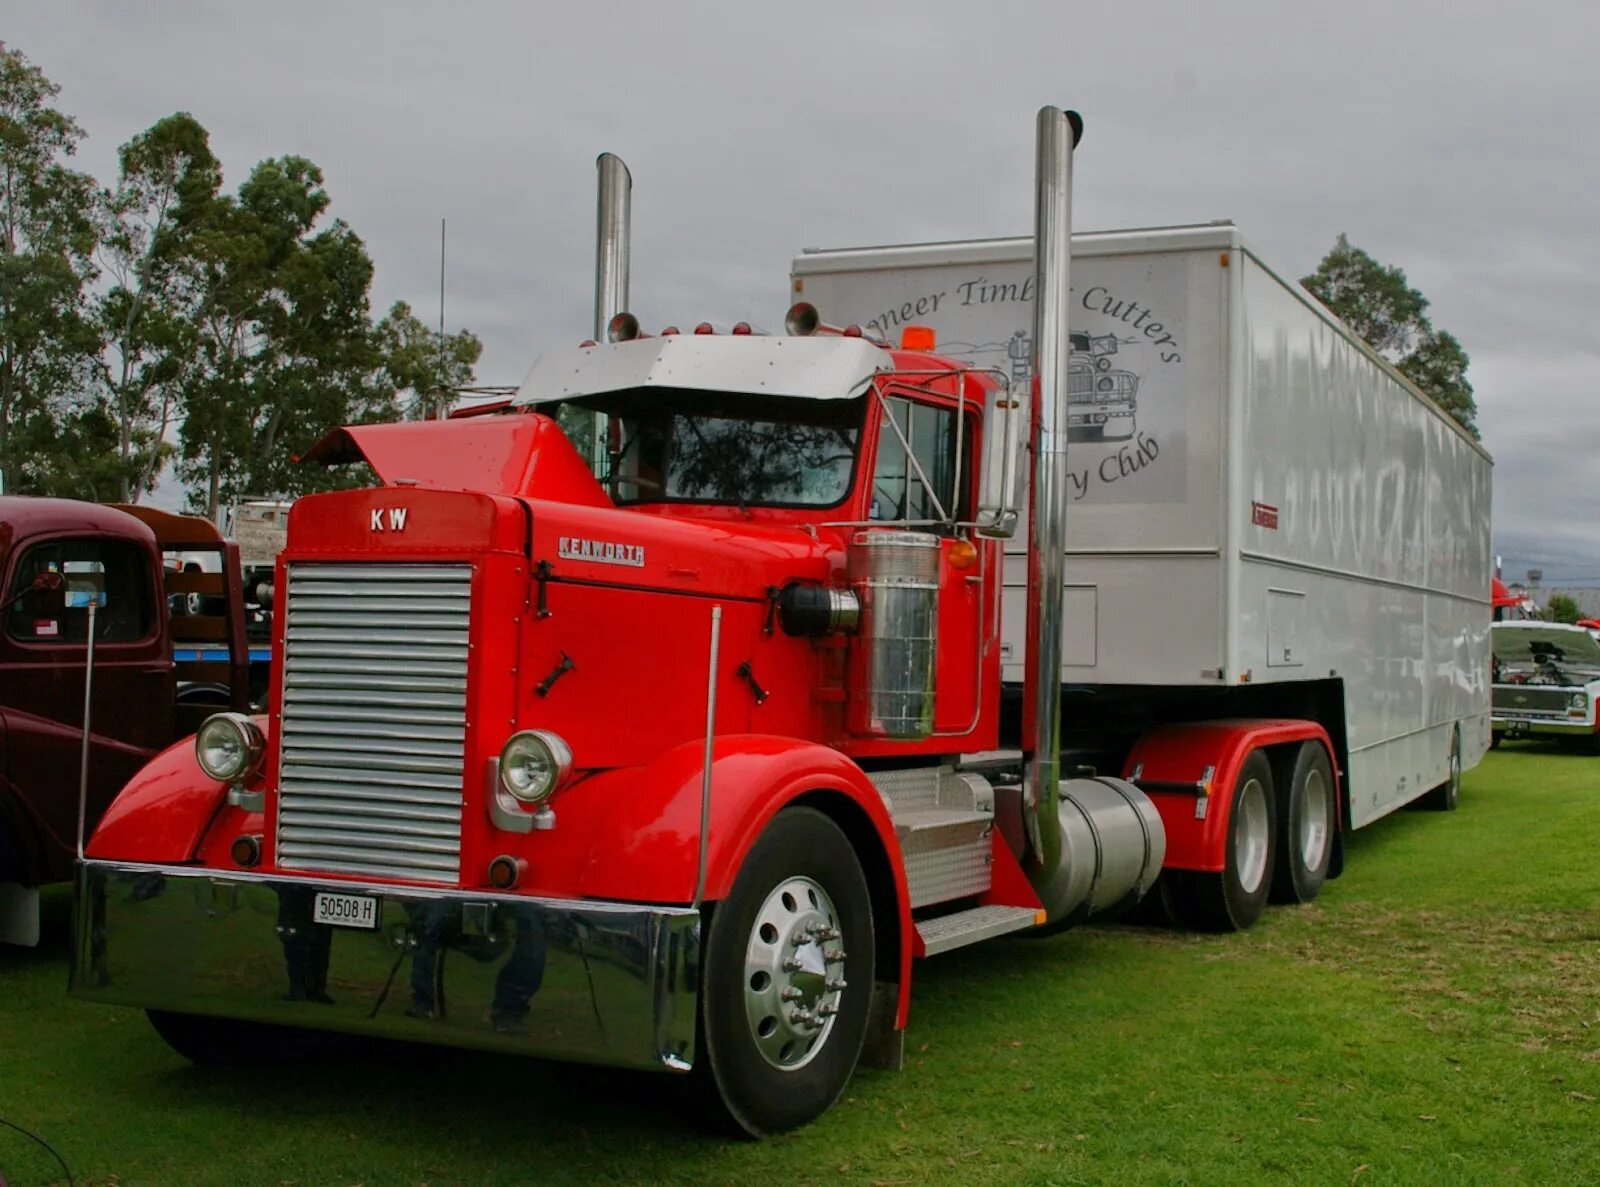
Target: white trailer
1267,518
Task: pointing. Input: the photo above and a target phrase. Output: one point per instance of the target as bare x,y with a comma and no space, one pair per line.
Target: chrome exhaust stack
613,219
1093,844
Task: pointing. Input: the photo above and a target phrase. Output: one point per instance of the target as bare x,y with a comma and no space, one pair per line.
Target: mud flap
885,1047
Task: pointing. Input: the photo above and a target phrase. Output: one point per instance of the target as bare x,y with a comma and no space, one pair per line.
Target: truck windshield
700,447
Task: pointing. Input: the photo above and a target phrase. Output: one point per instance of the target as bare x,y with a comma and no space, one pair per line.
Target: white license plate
345,910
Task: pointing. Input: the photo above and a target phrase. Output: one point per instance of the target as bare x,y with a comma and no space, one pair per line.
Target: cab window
924,492
114,569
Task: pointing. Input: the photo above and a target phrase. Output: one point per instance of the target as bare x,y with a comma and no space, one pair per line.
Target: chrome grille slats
373,719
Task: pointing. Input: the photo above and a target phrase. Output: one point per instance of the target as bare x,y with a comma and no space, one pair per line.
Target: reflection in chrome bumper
591,982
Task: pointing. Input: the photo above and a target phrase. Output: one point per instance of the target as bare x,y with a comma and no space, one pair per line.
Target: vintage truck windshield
699,447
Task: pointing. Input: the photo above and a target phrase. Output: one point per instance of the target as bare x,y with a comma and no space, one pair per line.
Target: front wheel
1233,899
789,965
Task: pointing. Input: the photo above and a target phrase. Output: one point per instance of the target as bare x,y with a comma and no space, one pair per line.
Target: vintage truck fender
163,812
647,847
1174,756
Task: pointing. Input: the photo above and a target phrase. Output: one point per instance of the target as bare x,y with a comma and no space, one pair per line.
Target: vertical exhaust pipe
1094,845
613,216
1058,134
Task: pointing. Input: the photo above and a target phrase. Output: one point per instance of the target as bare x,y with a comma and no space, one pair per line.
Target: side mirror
45,583
999,484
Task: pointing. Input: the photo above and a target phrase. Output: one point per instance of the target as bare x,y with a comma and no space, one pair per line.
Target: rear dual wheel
1233,899
1306,824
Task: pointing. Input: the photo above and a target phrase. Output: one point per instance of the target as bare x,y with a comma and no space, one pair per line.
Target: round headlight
1106,383
1102,364
1578,700
533,764
229,747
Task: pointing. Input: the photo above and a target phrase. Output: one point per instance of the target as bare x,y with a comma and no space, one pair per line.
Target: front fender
647,846
163,812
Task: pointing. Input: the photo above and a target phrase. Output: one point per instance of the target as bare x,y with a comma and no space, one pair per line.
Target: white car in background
1546,682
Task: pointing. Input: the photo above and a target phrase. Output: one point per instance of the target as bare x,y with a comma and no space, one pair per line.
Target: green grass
1434,1018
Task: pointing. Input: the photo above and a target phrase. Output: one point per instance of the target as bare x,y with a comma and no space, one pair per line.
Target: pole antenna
438,378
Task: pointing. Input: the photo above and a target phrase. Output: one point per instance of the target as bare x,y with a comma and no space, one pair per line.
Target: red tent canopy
1499,596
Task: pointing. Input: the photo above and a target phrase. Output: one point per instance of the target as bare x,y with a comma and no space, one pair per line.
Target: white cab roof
819,368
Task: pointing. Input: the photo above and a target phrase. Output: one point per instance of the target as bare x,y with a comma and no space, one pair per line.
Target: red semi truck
661,719
150,684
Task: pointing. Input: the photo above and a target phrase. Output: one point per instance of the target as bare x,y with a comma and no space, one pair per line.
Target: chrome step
968,927
929,828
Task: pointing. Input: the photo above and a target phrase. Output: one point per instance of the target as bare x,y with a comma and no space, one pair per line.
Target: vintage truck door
43,649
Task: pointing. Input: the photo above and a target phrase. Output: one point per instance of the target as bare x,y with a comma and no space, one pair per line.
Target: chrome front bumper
590,982
1517,727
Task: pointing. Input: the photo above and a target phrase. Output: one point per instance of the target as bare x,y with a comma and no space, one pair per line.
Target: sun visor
508,455
826,368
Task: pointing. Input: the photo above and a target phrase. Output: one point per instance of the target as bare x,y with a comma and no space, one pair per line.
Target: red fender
163,812
647,848
1181,753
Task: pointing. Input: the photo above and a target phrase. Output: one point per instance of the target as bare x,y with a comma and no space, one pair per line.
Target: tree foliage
1561,607
1378,303
422,369
47,236
166,191
162,307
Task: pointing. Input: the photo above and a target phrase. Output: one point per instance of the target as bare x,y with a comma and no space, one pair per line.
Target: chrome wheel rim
793,973
1313,820
1251,837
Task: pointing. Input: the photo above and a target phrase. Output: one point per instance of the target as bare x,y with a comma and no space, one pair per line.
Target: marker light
962,555
533,763
705,327
228,747
669,331
917,338
742,328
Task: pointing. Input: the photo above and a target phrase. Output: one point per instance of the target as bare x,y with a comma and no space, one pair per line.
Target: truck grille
373,716
1523,699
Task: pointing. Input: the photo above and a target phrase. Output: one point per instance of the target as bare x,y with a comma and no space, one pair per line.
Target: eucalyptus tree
48,339
165,194
1378,303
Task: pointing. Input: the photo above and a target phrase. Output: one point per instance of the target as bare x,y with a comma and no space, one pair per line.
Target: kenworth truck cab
660,719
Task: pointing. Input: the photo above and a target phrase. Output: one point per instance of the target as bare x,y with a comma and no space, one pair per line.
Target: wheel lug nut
832,957
835,984
791,965
791,994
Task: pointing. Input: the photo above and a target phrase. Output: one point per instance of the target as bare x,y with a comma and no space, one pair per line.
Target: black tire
1307,820
1447,796
759,1070
1233,899
227,1042
1495,738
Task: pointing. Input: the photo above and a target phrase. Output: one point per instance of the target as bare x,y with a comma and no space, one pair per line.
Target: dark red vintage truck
169,649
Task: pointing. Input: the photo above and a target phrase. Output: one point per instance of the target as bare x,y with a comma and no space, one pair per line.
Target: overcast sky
1456,140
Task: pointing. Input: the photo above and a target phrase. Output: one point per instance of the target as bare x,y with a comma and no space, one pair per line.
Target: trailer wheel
788,979
1233,899
1305,828
228,1042
1447,796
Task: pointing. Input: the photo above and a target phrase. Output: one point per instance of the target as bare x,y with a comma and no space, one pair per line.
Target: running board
968,927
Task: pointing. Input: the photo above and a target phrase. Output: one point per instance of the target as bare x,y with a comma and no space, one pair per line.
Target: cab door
928,488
